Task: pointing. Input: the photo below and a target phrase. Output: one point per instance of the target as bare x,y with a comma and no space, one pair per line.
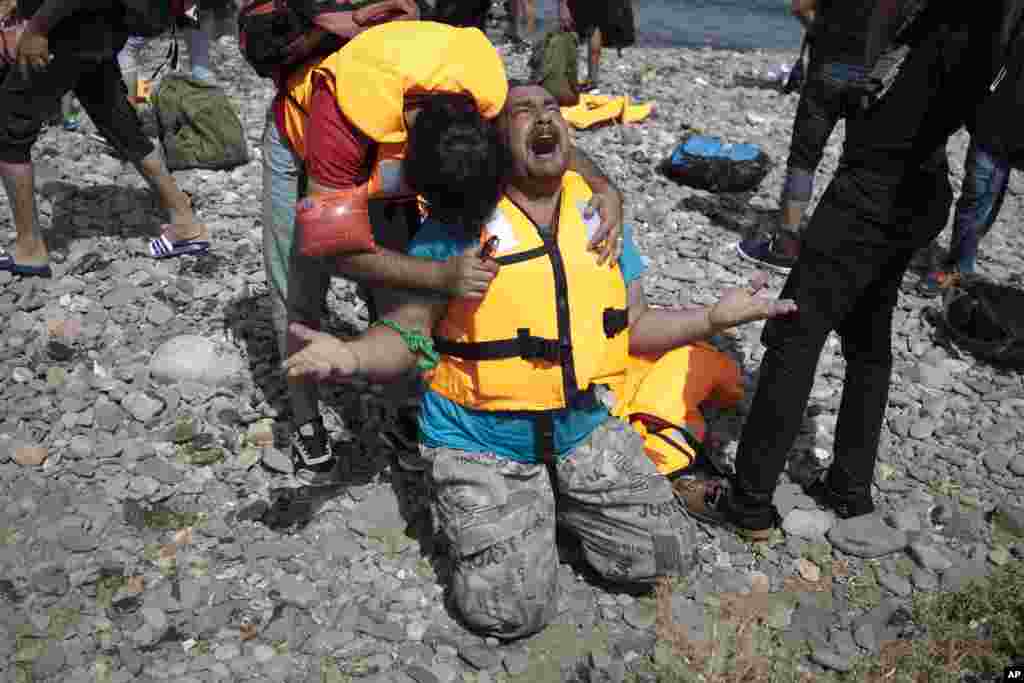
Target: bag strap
172,54
1015,35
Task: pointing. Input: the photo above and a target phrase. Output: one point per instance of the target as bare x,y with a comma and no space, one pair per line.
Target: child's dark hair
455,160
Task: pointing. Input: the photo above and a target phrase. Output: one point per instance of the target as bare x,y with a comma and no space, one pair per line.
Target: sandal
162,247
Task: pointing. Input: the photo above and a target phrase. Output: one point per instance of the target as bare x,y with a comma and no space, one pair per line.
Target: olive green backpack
553,64
198,125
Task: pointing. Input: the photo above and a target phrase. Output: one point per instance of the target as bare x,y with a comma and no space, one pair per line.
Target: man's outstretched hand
607,241
322,357
743,305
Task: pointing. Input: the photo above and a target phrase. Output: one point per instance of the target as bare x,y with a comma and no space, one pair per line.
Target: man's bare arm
380,354
461,275
657,330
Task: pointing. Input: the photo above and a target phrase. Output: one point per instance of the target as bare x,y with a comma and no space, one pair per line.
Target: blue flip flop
162,248
7,263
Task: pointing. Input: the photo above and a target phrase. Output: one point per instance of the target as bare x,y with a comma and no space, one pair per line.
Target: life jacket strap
523,345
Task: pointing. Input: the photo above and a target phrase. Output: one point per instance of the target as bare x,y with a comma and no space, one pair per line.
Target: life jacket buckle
615,320
538,348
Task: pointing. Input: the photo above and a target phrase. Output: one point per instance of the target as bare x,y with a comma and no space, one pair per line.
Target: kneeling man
514,433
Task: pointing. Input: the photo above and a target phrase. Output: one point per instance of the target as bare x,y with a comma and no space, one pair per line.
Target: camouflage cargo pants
498,518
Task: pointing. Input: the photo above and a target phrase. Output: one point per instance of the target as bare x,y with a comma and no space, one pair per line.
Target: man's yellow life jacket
384,69
552,323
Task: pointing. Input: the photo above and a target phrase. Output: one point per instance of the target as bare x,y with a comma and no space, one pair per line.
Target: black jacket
92,30
996,123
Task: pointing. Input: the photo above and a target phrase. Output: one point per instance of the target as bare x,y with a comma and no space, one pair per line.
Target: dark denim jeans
985,181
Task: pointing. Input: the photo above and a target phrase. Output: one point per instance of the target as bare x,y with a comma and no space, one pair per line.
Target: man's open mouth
544,144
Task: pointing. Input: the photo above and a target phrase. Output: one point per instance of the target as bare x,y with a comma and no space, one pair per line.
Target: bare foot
177,232
34,254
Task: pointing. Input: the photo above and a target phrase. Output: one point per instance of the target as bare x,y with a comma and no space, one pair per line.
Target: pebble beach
151,528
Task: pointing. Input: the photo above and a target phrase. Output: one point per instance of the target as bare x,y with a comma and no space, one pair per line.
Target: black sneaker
764,253
844,508
311,451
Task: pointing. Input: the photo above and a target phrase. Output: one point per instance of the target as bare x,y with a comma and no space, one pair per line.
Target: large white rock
190,358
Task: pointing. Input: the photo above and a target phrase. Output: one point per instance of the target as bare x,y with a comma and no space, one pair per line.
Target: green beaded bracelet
419,344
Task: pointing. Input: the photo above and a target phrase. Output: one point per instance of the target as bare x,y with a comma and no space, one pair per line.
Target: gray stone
81,447
516,660
107,415
481,657
907,519
50,578
923,429
996,462
226,652
929,375
159,313
1017,465
192,358
379,511
142,406
296,592
689,615
156,618
809,623
842,641
867,537
77,541
895,583
145,636
21,322
831,660
340,544
924,580
1012,517
639,615
131,660
276,550
421,674
274,459
161,470
385,630
730,581
866,637
50,662
809,524
325,642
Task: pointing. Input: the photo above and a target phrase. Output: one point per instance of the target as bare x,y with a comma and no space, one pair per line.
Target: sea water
729,24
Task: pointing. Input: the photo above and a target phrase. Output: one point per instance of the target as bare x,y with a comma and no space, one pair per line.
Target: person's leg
594,58
612,497
497,519
337,158
866,335
25,104
128,60
198,41
282,171
104,97
822,103
985,181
